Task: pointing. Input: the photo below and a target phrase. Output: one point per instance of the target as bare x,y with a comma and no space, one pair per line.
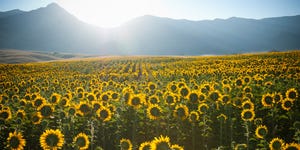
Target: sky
112,13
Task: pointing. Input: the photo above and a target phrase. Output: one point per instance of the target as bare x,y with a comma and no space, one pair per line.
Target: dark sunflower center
201,97
72,111
114,95
193,97
91,98
84,108
105,97
147,147
247,106
268,100
184,92
155,112
20,115
162,146
288,104
152,87
276,145
103,114
262,132
35,118
125,145
4,115
170,99
136,101
14,142
80,142
203,108
180,112
153,100
63,102
292,95
193,117
214,96
46,111
52,140
225,99
239,82
54,99
247,115
38,102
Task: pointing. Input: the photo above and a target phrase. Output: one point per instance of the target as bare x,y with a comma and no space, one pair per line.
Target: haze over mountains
52,29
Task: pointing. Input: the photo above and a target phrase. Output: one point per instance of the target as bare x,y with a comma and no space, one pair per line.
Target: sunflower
136,100
79,90
125,144
91,97
239,82
247,79
114,95
64,102
184,91
287,104
203,108
215,95
193,97
83,108
261,131
247,105
247,89
248,114
54,98
222,117
15,141
154,111
276,144
38,101
153,99
21,114
145,146
240,147
96,105
278,97
176,147
161,143
81,141
194,116
181,111
170,99
52,139
202,97
36,118
292,146
267,100
291,94
152,86
46,110
5,114
104,114
104,97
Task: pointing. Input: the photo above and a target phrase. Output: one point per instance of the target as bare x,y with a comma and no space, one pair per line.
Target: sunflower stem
193,132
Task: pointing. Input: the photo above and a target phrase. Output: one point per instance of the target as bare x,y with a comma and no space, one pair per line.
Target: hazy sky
108,13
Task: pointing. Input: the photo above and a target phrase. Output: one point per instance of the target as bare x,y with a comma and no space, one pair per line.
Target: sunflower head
287,104
145,146
154,112
83,108
104,114
161,143
176,147
193,97
248,114
46,110
181,111
276,144
137,100
15,141
55,98
261,131
125,144
52,139
5,114
292,146
81,141
267,100
194,116
292,93
202,108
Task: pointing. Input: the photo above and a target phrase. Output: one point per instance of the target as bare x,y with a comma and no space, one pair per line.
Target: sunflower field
248,101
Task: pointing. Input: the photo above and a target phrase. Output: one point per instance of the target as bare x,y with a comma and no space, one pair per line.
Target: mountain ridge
52,28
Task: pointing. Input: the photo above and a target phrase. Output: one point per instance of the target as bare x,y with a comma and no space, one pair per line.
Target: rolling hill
52,29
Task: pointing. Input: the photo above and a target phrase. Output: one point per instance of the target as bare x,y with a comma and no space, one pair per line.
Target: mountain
51,28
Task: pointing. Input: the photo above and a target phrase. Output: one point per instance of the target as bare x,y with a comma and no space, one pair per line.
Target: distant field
248,101
11,56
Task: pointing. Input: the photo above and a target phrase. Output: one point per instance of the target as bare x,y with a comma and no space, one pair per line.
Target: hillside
52,29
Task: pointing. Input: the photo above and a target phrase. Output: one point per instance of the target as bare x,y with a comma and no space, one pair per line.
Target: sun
110,13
